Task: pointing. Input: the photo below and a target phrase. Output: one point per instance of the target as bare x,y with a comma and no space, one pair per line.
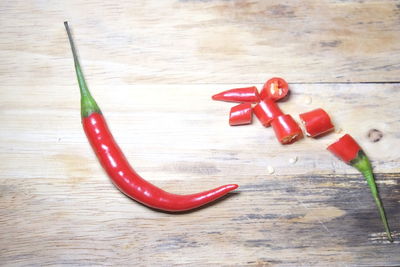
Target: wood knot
374,135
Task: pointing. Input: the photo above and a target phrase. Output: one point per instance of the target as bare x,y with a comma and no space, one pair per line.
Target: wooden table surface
152,66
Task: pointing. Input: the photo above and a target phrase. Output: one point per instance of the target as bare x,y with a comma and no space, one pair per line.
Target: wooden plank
201,41
58,207
152,66
175,131
275,220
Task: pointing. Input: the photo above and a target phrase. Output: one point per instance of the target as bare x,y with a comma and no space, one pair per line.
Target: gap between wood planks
294,83
387,82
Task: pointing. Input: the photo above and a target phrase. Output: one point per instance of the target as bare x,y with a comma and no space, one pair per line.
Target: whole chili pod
347,149
245,94
117,167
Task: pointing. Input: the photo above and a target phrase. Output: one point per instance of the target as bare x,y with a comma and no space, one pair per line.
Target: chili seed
270,169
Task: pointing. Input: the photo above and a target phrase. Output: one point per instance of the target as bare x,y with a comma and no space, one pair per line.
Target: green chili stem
364,166
88,104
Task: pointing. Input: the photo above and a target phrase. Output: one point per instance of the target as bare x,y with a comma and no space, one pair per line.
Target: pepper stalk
88,104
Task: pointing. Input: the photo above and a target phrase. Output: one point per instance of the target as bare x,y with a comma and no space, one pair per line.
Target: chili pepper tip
233,186
241,95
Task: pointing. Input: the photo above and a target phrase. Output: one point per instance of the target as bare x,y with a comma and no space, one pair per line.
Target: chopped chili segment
275,89
286,129
246,94
316,122
266,111
346,148
241,114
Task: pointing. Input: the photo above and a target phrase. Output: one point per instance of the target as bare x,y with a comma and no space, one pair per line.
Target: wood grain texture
274,220
58,207
170,131
203,41
153,66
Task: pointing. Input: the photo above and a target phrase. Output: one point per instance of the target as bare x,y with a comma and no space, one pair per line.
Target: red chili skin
316,122
266,111
275,89
241,114
286,129
346,148
246,95
117,167
129,182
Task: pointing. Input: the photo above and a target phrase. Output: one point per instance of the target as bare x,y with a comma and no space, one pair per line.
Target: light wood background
153,66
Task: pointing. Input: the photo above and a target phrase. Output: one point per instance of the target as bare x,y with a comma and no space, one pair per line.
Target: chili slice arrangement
316,122
118,168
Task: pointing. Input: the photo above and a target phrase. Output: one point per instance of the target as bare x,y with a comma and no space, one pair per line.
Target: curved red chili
275,89
246,94
316,122
117,167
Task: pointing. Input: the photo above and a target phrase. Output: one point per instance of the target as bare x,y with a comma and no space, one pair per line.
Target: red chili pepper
347,149
316,122
275,89
286,129
246,94
266,111
241,114
115,164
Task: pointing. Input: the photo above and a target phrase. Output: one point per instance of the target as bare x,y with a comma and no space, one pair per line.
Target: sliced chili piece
245,94
118,168
316,122
286,129
266,111
348,150
275,88
241,114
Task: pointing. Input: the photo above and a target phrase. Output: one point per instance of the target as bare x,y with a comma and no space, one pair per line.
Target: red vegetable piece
246,94
346,148
275,89
241,114
266,111
286,129
316,122
124,177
